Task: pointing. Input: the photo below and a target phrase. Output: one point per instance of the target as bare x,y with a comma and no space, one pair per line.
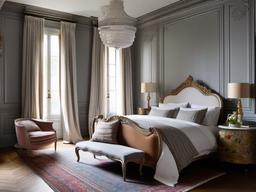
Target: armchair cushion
29,125
39,136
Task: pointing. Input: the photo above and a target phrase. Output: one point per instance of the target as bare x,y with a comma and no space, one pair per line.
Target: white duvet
202,137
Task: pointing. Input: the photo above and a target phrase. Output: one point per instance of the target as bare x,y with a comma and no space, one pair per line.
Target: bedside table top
242,128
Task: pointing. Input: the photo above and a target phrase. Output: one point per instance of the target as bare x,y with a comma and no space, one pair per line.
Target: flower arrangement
233,120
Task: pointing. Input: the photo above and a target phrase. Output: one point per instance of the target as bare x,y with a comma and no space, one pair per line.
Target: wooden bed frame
148,140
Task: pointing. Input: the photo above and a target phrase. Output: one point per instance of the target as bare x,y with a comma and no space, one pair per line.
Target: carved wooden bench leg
77,153
124,170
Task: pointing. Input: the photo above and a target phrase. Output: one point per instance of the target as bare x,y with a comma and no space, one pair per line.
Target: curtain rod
57,19
48,15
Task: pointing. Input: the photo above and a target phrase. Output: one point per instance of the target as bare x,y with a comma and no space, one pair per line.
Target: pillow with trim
106,132
160,112
212,115
29,125
173,105
192,115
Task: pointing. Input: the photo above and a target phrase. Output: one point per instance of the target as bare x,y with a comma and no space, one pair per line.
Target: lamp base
240,113
148,99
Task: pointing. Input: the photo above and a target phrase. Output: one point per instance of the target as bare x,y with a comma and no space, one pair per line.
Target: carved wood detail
189,82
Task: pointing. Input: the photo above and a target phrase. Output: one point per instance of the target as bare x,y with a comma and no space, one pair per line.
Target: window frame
47,88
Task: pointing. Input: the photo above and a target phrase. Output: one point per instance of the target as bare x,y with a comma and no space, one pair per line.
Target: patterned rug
63,174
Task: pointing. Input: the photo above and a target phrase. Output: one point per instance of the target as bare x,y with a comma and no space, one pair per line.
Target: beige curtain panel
98,79
68,85
32,67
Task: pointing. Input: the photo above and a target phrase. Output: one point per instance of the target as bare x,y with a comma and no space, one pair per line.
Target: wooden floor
16,176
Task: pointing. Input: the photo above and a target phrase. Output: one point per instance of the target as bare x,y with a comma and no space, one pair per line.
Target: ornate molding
167,10
189,82
240,9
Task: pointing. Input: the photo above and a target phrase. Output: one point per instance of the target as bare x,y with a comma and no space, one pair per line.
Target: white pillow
211,116
172,105
157,111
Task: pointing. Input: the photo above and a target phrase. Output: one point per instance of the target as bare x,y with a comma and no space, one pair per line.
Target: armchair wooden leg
77,153
55,146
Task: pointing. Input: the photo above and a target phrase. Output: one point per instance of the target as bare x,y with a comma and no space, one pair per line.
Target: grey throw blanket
179,144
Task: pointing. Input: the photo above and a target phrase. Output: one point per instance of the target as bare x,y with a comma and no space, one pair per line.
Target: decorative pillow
211,116
106,132
157,111
172,105
29,125
192,115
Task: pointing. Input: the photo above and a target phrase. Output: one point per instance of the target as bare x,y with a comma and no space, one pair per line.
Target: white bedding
202,137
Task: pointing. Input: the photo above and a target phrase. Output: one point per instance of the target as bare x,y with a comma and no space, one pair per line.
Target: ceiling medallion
116,28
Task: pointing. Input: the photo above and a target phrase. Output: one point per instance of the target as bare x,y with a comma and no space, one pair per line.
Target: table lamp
238,91
148,88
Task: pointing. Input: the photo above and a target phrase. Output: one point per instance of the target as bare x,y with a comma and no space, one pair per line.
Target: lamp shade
148,87
238,90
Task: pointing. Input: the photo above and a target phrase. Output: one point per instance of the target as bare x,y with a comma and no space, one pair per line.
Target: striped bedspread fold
179,144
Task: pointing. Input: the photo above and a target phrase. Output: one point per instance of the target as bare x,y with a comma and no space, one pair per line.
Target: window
51,99
113,81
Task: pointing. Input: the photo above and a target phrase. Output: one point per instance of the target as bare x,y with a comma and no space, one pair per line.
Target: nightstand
143,111
237,145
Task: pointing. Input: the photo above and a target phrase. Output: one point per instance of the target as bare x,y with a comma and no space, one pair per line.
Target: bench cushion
115,151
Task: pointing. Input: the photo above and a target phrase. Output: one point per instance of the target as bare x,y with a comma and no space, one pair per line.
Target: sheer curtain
98,80
126,79
32,67
68,83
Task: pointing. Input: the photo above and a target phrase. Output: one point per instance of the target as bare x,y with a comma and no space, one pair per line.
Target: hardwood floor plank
15,176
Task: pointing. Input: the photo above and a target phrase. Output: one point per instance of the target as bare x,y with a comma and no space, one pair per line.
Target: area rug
63,174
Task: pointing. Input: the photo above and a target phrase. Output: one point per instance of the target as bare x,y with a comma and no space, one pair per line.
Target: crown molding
1,3
180,6
46,13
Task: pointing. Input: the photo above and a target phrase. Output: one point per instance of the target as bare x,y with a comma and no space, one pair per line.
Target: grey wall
10,74
211,40
11,28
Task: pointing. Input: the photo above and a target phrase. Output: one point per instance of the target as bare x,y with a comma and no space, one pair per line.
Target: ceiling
134,8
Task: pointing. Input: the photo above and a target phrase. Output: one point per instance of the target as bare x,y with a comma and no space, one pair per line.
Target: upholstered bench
114,152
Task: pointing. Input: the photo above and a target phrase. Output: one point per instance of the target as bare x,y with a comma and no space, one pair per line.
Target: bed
172,144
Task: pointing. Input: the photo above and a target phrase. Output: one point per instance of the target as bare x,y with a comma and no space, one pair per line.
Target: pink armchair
34,133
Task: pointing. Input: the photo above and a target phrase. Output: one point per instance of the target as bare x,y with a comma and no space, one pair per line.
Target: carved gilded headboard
192,92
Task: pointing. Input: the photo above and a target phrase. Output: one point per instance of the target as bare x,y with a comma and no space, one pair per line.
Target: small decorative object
116,28
233,120
148,88
238,91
